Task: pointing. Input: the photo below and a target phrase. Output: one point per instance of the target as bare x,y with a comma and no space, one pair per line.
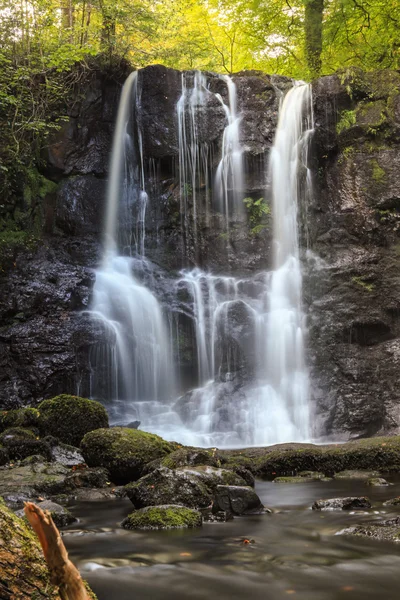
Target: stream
293,552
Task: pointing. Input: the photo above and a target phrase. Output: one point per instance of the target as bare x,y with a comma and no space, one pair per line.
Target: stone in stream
377,481
352,474
388,530
238,500
193,487
392,502
168,516
351,503
60,515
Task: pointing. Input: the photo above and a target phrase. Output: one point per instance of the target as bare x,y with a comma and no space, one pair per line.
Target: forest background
47,47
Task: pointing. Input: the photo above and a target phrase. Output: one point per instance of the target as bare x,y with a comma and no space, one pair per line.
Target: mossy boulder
360,475
69,418
381,453
377,482
193,487
190,457
23,574
163,517
123,451
21,443
20,417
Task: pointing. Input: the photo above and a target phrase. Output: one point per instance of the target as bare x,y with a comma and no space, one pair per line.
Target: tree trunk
313,15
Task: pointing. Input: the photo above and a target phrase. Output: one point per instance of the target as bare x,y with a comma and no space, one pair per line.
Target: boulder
163,517
190,457
377,481
24,573
33,479
193,487
69,418
388,530
66,455
238,500
22,443
352,503
123,451
362,475
392,502
60,515
21,417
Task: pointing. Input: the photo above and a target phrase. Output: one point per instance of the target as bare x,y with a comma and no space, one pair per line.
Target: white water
248,333
285,368
229,178
134,364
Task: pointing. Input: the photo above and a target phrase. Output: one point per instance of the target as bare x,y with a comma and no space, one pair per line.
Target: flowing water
251,381
293,552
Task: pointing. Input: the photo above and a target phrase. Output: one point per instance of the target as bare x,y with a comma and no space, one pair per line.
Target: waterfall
285,369
134,364
245,335
229,177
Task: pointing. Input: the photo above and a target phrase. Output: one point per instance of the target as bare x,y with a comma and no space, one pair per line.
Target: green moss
163,517
17,433
347,120
123,451
11,243
378,174
188,456
69,418
369,287
20,417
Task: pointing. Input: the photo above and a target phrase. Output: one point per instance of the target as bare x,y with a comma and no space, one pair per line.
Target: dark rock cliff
350,228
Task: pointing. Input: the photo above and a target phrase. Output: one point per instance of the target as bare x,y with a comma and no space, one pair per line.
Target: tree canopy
42,40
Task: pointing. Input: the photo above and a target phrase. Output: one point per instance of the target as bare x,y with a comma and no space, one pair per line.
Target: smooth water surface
293,552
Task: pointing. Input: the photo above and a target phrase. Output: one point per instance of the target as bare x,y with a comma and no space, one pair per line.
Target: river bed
293,552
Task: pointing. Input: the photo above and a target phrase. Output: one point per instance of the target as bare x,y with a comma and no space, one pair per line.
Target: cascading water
133,364
229,177
286,388
248,334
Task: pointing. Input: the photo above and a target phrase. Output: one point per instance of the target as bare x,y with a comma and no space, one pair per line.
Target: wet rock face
352,286
350,227
342,504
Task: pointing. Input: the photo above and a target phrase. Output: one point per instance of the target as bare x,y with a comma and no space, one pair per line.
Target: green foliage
347,120
257,211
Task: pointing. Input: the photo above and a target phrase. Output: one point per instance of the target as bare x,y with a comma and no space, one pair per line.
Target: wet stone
351,503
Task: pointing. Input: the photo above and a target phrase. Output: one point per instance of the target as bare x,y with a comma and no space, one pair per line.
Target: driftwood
62,572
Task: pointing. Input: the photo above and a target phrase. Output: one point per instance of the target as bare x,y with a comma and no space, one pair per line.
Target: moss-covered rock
190,457
381,453
20,417
392,502
377,482
4,456
353,474
163,517
23,574
351,503
69,418
193,487
123,451
21,443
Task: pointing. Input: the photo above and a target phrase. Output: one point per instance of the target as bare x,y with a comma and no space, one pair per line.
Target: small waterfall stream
135,363
249,363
